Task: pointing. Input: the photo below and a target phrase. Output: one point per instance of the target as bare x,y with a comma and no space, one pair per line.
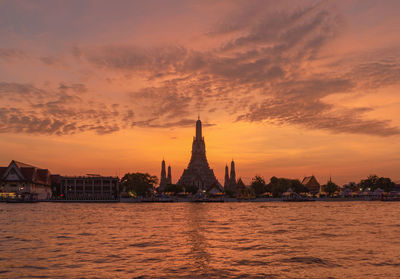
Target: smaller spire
169,177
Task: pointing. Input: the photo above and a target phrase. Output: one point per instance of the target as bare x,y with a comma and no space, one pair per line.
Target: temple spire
226,182
163,179
169,177
233,173
199,134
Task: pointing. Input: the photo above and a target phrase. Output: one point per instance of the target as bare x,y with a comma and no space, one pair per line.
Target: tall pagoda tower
198,173
163,178
232,179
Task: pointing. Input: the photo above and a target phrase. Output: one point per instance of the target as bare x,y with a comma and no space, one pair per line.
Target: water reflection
185,240
198,255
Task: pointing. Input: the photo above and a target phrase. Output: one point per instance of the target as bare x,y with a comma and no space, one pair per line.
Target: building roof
20,164
30,173
308,179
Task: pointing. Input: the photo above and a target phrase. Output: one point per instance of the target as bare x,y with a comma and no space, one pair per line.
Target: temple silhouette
230,183
164,180
198,173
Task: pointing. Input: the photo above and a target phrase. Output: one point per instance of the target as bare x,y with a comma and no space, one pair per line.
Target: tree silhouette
330,188
141,184
374,182
258,185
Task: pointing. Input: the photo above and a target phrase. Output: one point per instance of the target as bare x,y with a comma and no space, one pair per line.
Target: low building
89,187
312,184
24,179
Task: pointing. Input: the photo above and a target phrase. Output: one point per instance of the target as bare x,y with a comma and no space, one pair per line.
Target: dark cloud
51,60
156,123
377,74
76,87
63,111
10,54
154,60
13,120
313,89
18,91
317,115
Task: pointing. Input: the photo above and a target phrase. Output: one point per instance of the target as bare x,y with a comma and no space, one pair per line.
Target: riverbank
180,200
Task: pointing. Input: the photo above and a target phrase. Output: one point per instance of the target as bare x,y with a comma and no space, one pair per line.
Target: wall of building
89,188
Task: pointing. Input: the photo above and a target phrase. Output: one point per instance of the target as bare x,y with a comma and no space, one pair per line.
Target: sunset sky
285,88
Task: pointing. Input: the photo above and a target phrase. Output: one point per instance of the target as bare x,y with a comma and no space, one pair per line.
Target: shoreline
228,200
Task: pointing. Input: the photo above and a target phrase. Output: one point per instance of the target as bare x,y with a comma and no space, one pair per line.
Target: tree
385,184
374,182
351,186
369,183
298,187
278,186
141,184
330,188
258,185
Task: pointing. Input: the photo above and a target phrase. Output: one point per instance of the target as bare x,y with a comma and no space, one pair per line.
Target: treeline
144,184
276,186
139,184
372,183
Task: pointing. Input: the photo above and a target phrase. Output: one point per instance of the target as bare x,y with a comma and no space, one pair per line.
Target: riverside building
89,187
24,179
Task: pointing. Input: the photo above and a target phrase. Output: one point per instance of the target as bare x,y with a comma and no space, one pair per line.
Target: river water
197,240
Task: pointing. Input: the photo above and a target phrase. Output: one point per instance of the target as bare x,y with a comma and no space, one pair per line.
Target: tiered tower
232,180
163,179
226,182
198,172
169,177
230,184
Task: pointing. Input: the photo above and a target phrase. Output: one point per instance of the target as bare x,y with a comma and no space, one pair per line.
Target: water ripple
184,240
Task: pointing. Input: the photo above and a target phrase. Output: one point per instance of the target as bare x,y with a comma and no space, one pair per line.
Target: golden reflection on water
197,240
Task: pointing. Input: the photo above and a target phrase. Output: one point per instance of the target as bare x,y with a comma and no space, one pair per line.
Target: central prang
198,173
